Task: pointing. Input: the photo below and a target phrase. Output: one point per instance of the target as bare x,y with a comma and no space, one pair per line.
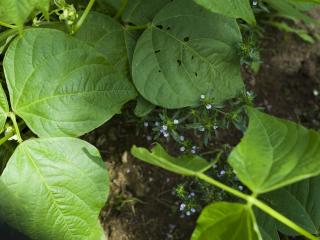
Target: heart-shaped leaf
54,188
274,153
230,8
186,165
63,86
187,51
18,11
223,220
4,108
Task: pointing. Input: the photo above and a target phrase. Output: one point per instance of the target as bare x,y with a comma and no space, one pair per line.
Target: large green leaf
18,11
185,165
299,202
230,8
109,38
54,188
274,153
222,220
60,85
140,12
4,108
187,51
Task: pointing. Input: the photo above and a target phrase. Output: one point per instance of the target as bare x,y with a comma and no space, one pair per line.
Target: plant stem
12,116
252,200
83,17
264,207
218,184
121,9
139,27
7,25
7,136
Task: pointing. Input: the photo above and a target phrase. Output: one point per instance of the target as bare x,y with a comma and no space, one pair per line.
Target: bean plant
66,71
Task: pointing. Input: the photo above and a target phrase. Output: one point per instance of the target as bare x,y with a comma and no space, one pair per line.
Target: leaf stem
264,207
218,184
121,9
252,200
7,25
139,27
83,17
12,116
7,136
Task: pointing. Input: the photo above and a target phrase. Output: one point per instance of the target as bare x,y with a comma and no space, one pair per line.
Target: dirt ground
141,205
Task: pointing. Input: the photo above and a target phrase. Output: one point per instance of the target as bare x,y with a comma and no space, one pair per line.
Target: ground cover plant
68,67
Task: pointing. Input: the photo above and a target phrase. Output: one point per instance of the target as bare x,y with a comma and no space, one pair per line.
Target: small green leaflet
4,108
186,165
54,188
274,153
223,220
178,57
63,86
300,202
18,11
143,107
230,8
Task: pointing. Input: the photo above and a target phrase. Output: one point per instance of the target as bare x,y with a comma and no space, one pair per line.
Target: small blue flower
182,149
208,106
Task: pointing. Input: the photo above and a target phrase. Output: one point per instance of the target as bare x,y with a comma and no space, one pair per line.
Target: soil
141,205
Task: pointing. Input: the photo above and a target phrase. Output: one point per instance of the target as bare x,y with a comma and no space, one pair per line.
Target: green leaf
187,51
222,220
299,202
109,38
267,226
290,9
143,107
18,11
230,8
185,165
4,108
54,188
140,12
63,86
274,153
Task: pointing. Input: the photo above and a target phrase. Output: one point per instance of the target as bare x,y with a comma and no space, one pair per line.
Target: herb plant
66,71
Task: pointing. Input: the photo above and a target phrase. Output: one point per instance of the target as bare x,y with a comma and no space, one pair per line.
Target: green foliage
186,165
18,11
274,153
217,220
178,58
304,207
230,8
78,96
68,71
46,184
